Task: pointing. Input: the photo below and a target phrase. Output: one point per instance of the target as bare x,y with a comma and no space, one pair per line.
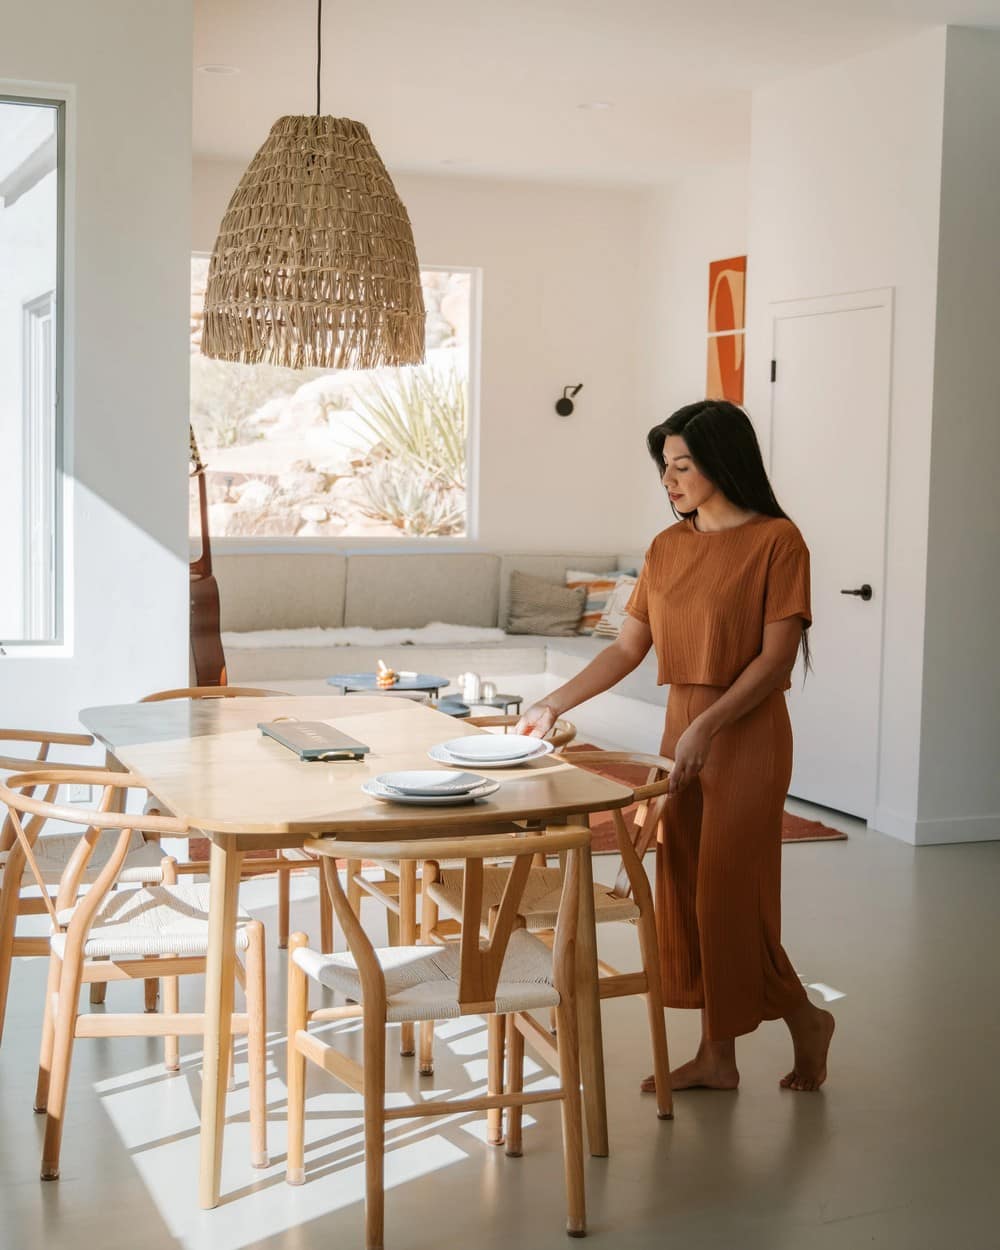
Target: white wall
560,289
845,178
960,749
682,228
128,68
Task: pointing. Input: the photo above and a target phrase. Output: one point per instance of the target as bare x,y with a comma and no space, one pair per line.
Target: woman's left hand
690,756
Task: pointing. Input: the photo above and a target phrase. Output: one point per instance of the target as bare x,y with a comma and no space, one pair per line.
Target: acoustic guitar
207,656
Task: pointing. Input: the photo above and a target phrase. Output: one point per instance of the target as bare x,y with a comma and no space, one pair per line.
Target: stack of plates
430,789
491,750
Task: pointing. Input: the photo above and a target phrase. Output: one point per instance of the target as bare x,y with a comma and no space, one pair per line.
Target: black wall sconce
565,405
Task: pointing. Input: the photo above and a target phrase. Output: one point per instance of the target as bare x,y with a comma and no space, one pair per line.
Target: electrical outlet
81,794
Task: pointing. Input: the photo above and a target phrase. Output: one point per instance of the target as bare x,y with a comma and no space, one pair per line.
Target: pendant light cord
319,47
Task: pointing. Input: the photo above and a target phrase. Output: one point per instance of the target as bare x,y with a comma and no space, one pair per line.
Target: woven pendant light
315,266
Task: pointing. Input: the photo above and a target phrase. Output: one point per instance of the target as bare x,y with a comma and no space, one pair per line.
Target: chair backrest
480,962
634,842
560,735
212,692
18,796
40,740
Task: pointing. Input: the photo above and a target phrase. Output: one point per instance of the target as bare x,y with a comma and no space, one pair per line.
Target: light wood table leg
589,1014
224,882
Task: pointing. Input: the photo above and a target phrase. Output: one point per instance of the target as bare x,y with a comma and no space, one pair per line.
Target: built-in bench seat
290,593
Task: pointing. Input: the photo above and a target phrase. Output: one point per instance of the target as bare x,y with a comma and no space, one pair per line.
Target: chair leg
429,917
171,1006
256,995
515,1085
374,1090
494,1077
151,993
572,1119
62,1055
99,992
48,1035
391,917
171,985
427,1048
298,996
8,924
284,891
407,936
657,1018
325,919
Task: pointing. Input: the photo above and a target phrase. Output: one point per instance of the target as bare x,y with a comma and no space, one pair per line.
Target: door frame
819,306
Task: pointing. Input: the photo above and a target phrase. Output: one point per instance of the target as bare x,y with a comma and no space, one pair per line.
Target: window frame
60,643
469,541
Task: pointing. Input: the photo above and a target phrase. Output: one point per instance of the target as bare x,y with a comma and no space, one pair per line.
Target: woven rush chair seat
157,920
539,903
421,982
143,862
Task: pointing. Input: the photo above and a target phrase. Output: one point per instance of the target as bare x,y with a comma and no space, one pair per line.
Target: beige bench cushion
393,592
281,591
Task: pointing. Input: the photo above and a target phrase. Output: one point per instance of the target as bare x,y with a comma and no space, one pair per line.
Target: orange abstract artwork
726,328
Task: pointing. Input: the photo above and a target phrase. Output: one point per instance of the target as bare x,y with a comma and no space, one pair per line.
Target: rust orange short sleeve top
707,597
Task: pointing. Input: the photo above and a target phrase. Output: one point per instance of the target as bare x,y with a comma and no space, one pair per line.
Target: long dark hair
724,446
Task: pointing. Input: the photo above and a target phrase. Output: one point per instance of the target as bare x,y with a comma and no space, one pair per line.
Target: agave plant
419,418
415,501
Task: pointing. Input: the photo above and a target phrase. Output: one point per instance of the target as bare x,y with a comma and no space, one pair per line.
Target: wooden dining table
207,763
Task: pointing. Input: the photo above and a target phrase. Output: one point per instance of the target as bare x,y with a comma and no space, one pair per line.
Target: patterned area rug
793,829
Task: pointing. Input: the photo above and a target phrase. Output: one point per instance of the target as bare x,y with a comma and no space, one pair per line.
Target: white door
829,466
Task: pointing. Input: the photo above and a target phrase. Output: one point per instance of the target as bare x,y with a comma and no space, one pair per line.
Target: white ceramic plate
442,755
377,791
492,748
417,781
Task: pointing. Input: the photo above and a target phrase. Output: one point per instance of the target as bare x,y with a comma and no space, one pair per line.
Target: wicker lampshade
314,266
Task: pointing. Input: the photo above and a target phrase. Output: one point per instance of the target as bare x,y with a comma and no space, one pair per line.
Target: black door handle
864,592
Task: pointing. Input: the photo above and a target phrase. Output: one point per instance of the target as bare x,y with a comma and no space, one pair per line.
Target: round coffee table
423,682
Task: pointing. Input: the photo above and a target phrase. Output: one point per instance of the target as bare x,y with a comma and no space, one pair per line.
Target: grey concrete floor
901,1151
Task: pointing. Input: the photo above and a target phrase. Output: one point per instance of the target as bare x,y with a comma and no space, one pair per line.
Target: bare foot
699,1073
811,1036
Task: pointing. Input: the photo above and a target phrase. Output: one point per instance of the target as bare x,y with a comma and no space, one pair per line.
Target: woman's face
686,485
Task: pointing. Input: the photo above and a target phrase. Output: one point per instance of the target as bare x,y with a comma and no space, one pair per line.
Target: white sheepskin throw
360,636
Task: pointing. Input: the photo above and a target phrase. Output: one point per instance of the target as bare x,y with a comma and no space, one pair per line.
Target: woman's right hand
537,720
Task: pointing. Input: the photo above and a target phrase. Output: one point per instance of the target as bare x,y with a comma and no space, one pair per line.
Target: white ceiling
492,87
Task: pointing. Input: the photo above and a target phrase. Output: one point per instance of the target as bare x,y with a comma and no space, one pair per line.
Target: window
316,454
30,353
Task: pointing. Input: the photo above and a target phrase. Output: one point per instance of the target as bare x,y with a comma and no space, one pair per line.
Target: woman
723,597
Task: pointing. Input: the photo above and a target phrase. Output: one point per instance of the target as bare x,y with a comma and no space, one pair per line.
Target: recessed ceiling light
597,106
219,69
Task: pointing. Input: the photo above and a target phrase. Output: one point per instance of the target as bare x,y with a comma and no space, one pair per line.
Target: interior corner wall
560,281
845,189
683,226
960,749
128,67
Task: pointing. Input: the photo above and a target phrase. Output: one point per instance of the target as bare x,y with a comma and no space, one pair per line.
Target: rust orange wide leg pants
718,897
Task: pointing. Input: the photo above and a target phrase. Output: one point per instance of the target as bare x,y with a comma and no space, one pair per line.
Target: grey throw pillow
541,607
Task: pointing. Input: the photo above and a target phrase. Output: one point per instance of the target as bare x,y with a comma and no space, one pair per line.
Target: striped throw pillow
598,587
